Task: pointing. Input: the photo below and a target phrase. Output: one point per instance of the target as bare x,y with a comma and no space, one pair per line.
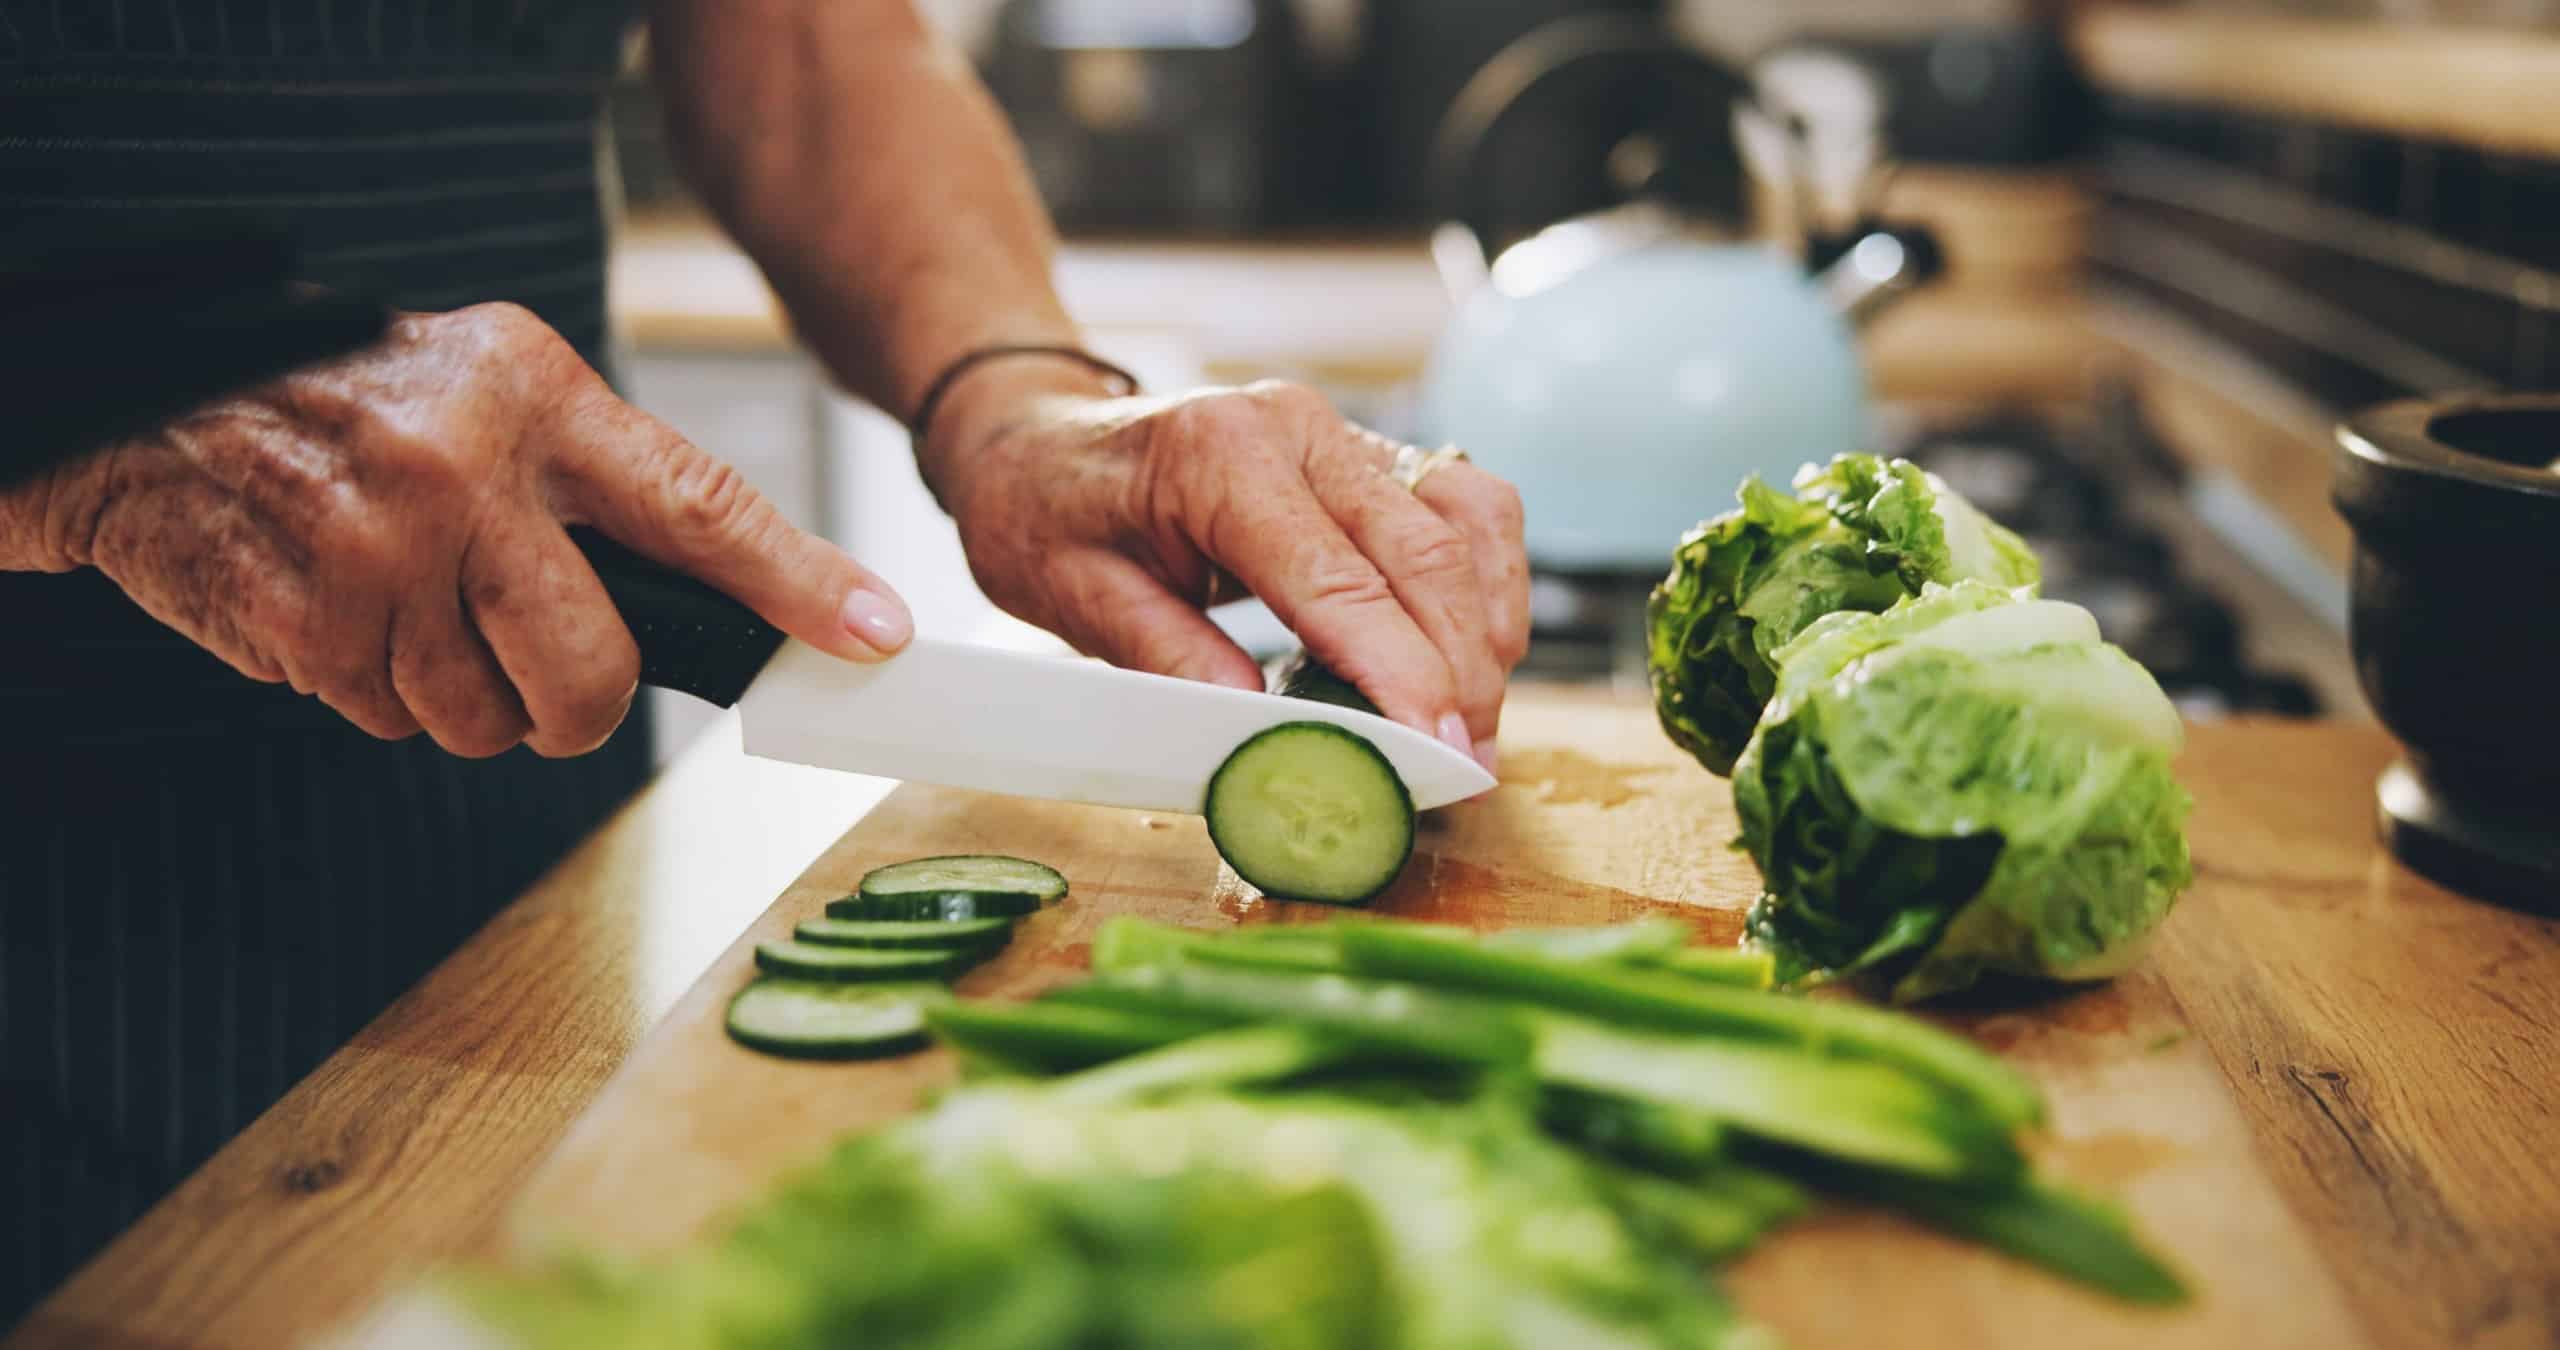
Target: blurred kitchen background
2112,270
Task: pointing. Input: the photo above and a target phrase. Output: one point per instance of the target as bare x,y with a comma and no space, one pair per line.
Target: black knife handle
693,639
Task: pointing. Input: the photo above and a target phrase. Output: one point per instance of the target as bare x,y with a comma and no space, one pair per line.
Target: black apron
207,884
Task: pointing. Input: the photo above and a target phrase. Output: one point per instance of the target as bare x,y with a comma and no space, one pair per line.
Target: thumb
633,477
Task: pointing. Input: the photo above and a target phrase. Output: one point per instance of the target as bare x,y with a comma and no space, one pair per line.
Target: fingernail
1486,756
1453,732
880,621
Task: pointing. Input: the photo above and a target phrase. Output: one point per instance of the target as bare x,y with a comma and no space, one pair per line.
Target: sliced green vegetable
1677,1002
965,874
811,1019
2073,1235
1718,965
1844,1108
1671,1140
1310,811
933,907
1252,1054
1056,1037
1384,1016
807,961
970,933
1644,941
1711,1219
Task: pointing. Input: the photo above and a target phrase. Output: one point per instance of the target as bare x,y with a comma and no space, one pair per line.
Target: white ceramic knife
967,716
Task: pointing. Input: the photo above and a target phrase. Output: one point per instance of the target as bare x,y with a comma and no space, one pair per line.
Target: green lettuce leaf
1969,783
1008,1218
1859,534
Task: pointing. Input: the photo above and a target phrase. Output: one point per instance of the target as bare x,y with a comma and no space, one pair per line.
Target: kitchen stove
2088,501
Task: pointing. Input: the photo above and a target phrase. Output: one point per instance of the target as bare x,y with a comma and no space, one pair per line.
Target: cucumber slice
972,934
933,907
977,874
811,1019
808,961
1309,811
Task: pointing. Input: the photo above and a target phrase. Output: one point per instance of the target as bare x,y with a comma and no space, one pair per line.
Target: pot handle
1862,270
1497,97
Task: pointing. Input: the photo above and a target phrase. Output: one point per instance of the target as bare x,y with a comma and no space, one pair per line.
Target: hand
1100,519
386,532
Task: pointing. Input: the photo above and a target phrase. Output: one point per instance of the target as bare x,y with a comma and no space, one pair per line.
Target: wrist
988,400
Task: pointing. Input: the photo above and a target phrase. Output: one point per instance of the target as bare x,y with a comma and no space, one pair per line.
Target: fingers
636,479
551,629
1486,511
1109,607
1265,524
1426,560
451,683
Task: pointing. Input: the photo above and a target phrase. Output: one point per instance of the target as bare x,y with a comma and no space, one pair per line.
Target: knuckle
710,505
485,731
1346,585
1434,551
1215,425
590,710
1289,397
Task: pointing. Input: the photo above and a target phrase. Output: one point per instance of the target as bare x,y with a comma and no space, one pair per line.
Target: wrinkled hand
387,532
1101,519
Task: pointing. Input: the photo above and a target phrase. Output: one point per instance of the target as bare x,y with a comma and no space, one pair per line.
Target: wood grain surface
2327,1091
2475,85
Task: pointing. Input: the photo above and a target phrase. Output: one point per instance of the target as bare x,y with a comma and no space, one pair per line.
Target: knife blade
958,715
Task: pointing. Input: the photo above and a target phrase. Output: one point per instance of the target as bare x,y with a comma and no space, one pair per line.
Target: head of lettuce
1969,783
1859,534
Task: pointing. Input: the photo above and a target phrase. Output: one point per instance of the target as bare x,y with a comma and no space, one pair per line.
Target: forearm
858,159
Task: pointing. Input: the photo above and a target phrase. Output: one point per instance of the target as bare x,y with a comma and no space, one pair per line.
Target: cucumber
971,934
1299,675
965,874
1309,811
812,1019
933,907
808,961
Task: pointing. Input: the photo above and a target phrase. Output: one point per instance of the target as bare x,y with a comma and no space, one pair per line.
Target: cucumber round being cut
972,934
812,1019
1309,811
846,965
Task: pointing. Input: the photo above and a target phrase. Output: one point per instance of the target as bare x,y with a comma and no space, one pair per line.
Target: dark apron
207,884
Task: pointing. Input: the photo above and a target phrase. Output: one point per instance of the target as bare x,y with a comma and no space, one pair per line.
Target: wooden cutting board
1599,818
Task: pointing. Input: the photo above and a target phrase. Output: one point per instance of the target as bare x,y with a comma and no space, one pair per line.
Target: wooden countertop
2386,1043
1364,312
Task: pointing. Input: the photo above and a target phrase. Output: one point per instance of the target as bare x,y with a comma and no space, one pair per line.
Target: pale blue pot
1629,400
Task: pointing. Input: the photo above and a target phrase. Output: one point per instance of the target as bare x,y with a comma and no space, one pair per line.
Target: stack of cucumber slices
855,984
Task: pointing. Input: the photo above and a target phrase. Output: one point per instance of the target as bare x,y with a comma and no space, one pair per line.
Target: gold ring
1412,464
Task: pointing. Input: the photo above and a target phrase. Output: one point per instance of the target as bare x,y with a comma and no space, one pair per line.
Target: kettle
1628,366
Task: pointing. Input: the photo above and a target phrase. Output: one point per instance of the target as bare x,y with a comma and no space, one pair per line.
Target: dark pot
2455,505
